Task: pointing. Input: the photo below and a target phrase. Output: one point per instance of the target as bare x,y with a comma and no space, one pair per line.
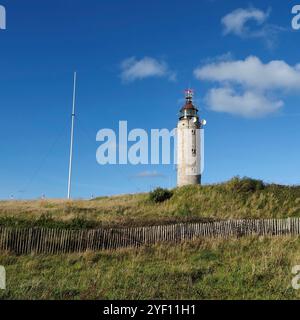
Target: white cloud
238,23
235,22
149,174
252,72
133,69
247,104
228,56
249,87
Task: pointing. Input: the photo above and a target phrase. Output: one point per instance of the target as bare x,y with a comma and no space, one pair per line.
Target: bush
160,195
47,221
244,185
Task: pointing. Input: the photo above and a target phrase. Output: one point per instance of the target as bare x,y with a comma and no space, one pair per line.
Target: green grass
238,198
248,268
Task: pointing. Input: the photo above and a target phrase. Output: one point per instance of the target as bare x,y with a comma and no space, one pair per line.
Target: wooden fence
54,241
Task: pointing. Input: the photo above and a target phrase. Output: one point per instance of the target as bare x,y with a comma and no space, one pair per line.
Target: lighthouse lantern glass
186,113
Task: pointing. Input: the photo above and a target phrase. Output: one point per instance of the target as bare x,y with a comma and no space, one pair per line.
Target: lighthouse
189,141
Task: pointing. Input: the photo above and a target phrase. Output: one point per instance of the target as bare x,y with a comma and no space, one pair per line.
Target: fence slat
54,241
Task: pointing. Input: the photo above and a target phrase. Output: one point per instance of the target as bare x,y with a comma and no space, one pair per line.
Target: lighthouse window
194,151
193,132
190,113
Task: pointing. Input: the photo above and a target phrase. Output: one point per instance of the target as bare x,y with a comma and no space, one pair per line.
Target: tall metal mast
72,137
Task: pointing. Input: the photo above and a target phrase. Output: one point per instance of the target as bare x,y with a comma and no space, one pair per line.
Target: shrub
47,221
244,185
160,195
81,223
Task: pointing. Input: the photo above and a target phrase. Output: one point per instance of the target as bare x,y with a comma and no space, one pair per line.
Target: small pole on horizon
72,137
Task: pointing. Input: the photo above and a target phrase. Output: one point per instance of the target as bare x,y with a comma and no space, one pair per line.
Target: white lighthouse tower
189,143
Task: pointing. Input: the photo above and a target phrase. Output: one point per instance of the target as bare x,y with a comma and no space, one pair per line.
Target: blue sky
251,104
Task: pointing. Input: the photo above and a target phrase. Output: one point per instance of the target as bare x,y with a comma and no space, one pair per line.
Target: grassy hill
248,268
237,198
245,268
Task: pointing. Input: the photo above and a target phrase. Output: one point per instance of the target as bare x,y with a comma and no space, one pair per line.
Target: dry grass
233,199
